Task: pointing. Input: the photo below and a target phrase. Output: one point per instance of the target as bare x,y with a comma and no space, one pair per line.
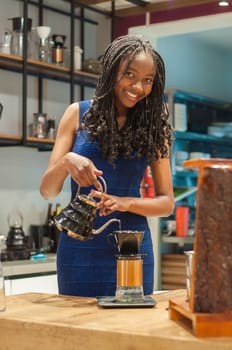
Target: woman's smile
131,96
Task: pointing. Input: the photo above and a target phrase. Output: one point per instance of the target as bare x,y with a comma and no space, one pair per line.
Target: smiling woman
116,135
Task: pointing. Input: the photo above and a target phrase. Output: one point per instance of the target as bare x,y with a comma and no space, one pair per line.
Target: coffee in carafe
129,265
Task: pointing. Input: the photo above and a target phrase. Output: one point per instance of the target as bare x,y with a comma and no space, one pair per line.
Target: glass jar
39,125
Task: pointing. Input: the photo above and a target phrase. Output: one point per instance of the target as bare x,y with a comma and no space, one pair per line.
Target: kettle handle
103,185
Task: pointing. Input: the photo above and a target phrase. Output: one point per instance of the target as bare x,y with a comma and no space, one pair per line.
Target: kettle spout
100,229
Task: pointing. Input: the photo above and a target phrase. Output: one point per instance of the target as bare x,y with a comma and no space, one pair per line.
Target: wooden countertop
47,321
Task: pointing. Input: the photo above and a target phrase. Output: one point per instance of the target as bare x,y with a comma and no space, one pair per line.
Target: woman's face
135,83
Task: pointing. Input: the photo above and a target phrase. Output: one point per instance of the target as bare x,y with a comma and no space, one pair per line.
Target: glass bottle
44,47
2,285
44,50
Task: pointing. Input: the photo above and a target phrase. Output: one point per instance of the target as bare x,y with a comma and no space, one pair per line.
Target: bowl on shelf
196,155
180,156
216,131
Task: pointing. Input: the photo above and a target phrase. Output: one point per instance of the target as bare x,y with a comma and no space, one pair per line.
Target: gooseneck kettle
78,217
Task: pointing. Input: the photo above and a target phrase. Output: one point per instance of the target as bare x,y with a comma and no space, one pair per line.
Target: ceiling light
223,3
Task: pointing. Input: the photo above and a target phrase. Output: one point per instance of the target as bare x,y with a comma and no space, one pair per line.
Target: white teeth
132,95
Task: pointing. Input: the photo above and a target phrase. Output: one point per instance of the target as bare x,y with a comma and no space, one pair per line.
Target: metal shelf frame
42,71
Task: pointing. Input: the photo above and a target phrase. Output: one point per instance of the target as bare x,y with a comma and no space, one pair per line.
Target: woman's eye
149,81
129,75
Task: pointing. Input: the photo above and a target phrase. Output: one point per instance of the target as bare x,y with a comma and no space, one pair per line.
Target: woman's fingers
107,203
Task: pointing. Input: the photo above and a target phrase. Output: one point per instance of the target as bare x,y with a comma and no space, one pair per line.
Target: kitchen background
22,168
192,66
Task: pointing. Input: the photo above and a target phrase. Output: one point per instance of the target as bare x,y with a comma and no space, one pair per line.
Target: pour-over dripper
43,51
127,242
43,32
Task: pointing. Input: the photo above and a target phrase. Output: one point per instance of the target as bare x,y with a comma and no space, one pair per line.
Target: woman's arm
64,162
161,205
163,202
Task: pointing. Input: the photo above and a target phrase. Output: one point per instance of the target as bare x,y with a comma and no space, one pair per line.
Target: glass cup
182,221
188,264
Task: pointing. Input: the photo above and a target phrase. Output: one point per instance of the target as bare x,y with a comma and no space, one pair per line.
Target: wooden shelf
15,140
10,140
177,240
47,70
38,140
41,144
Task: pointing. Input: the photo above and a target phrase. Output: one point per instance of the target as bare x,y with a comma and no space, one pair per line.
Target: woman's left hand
108,203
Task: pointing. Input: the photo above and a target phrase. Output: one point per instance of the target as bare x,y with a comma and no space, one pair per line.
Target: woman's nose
138,86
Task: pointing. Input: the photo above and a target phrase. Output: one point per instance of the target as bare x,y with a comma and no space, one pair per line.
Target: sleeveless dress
88,268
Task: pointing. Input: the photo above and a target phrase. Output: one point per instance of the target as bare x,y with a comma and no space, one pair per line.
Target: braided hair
147,132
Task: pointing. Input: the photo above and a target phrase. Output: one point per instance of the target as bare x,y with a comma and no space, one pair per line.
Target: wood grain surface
48,321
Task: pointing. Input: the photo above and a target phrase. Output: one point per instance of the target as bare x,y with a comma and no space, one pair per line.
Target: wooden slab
202,324
211,280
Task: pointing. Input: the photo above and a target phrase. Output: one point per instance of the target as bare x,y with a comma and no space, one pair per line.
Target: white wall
193,65
20,175
22,168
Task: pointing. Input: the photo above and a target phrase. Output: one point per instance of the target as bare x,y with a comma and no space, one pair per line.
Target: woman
117,135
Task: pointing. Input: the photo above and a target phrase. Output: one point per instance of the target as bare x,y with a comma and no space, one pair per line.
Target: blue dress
88,268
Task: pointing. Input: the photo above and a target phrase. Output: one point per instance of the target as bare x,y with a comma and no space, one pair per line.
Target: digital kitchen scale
112,302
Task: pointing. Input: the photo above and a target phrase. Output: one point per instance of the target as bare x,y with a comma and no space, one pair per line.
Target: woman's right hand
63,162
82,170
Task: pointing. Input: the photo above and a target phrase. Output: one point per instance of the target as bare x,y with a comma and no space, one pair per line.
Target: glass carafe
18,26
17,44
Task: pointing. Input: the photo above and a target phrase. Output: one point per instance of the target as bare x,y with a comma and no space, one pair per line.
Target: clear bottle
44,50
51,127
2,286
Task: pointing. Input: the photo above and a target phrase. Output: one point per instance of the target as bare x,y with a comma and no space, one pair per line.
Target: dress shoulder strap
84,106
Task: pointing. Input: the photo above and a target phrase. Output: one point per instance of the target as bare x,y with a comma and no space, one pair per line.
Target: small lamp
223,3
